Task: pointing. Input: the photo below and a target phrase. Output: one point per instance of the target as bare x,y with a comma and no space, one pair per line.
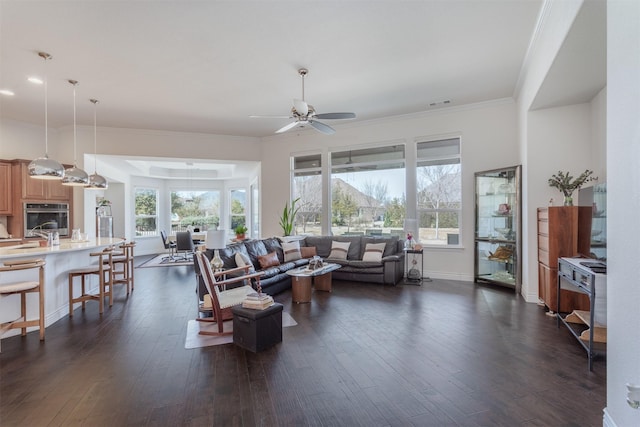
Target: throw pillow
339,250
268,260
373,252
243,260
308,251
291,251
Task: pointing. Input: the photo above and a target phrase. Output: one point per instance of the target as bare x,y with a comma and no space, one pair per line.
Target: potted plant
288,218
567,185
240,231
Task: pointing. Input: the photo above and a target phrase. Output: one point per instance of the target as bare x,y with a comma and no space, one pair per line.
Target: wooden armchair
222,299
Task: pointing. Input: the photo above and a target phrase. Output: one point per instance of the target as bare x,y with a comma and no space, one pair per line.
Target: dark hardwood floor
444,354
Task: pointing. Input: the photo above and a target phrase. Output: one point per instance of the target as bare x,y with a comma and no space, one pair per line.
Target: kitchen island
59,261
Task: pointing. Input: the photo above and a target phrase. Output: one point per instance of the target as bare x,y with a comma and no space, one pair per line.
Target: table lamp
216,240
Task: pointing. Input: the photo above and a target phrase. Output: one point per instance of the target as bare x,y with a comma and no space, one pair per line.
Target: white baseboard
607,421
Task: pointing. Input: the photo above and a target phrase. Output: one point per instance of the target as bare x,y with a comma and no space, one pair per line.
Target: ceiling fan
305,115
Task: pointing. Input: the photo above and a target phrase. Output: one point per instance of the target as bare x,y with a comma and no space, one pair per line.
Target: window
439,191
368,191
199,209
307,187
238,199
146,208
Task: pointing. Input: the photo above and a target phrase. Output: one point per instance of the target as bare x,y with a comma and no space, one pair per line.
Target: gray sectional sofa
388,271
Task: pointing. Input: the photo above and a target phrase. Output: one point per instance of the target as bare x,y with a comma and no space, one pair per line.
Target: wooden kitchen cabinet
563,231
26,189
6,189
42,189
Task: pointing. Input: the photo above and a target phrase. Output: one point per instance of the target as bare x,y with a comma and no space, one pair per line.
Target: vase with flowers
566,184
104,207
410,242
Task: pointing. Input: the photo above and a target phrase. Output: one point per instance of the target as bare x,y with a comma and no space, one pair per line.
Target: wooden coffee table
302,280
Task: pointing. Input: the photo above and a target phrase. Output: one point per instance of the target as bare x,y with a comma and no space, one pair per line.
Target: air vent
440,103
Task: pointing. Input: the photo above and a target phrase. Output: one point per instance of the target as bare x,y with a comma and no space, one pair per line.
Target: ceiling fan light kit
305,115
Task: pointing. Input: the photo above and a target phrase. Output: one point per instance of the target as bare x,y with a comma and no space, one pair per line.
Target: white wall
623,205
558,139
489,141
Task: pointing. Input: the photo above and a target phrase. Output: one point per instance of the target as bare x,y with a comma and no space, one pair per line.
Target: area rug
195,340
163,260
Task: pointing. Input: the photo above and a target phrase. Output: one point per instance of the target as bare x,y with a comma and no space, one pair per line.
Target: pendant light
75,175
44,167
96,182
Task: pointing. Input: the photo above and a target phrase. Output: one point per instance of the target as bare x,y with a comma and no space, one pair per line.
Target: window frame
231,215
371,158
444,159
136,216
306,170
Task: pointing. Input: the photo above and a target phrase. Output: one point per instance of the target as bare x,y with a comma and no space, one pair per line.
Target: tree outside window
198,209
368,191
146,211
238,200
439,191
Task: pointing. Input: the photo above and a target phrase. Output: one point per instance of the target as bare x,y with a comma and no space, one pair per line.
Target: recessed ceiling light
6,92
35,80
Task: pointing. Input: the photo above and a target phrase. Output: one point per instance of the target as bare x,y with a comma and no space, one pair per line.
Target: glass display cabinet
498,227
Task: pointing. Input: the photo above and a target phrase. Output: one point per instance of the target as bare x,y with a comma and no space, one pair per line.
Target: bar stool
23,288
103,269
124,258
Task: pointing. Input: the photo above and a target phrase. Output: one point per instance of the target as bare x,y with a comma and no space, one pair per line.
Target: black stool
257,330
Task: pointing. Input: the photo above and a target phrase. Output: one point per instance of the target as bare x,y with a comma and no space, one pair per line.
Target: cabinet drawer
543,242
543,227
543,214
543,257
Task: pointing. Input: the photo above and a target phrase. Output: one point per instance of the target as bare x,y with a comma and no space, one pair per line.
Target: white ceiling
206,66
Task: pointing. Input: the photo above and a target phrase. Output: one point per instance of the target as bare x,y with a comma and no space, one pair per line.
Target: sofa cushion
391,244
308,251
268,260
291,251
242,259
254,249
321,243
339,250
373,252
272,244
228,255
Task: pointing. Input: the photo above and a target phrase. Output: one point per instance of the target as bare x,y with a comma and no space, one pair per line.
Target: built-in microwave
45,217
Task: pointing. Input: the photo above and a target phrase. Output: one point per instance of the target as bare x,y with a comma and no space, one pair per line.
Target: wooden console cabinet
563,231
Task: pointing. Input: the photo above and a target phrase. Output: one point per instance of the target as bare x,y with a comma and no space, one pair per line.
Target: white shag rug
195,340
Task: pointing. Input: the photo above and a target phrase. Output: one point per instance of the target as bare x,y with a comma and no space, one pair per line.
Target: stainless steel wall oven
46,217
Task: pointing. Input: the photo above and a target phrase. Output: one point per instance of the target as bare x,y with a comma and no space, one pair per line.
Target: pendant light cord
75,153
95,136
46,111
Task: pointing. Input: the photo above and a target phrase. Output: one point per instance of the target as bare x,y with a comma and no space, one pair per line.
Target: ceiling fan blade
335,116
287,127
319,126
301,107
270,117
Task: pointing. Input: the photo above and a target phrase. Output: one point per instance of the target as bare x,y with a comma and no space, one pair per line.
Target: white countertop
66,245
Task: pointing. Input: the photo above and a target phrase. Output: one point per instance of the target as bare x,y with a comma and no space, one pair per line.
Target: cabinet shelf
498,227
588,327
